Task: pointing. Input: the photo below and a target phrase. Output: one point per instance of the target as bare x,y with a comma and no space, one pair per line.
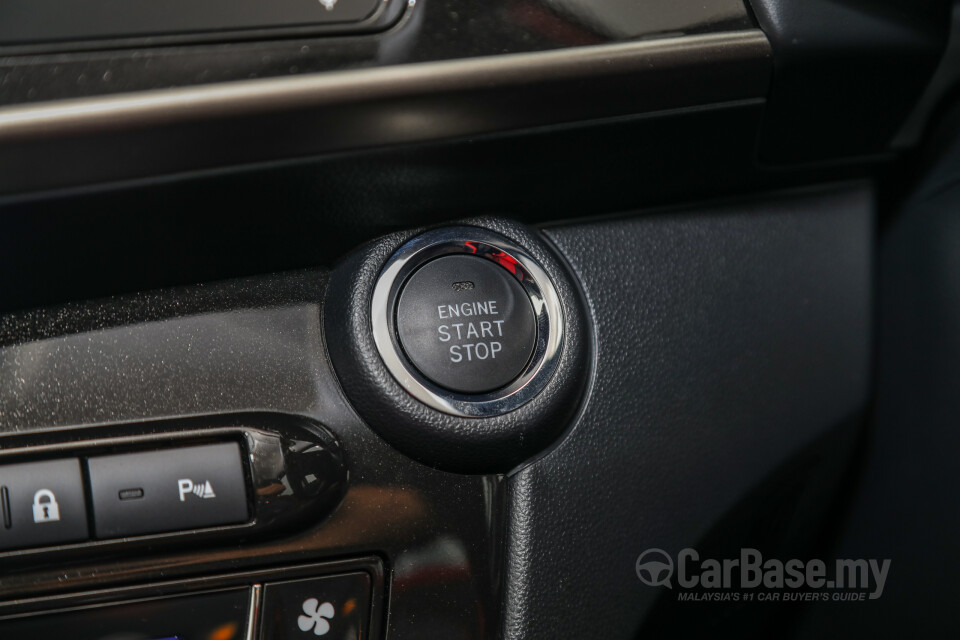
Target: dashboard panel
438,319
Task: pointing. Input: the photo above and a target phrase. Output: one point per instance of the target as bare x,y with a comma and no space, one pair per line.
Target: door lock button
42,503
466,324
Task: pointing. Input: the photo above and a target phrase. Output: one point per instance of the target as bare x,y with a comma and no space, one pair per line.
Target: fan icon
315,617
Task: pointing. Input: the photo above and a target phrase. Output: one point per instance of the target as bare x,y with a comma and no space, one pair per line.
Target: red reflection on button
507,262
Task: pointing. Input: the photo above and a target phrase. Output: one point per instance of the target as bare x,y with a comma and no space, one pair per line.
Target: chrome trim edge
253,615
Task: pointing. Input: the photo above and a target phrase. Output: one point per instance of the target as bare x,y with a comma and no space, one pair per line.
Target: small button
335,607
42,503
466,324
169,490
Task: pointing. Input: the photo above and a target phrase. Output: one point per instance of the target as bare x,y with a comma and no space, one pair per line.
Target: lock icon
45,507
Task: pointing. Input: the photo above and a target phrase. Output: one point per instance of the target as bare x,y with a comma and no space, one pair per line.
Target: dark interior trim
94,140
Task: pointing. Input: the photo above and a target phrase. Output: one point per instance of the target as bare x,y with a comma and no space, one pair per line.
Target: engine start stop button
466,324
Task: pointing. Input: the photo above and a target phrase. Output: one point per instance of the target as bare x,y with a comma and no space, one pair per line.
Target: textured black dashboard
910,474
727,339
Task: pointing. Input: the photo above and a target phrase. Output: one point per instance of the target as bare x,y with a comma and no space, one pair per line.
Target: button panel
168,490
221,614
42,503
203,477
338,600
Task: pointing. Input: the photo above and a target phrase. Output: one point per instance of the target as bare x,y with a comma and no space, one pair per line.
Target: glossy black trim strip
5,506
94,140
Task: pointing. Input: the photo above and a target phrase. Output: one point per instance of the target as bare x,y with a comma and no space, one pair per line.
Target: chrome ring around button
516,261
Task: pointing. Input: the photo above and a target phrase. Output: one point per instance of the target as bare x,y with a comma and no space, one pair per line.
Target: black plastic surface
430,30
735,336
904,505
320,210
43,503
168,490
196,617
846,73
279,119
728,339
466,324
442,440
232,348
43,21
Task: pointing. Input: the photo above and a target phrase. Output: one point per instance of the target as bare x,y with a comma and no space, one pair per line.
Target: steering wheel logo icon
655,568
